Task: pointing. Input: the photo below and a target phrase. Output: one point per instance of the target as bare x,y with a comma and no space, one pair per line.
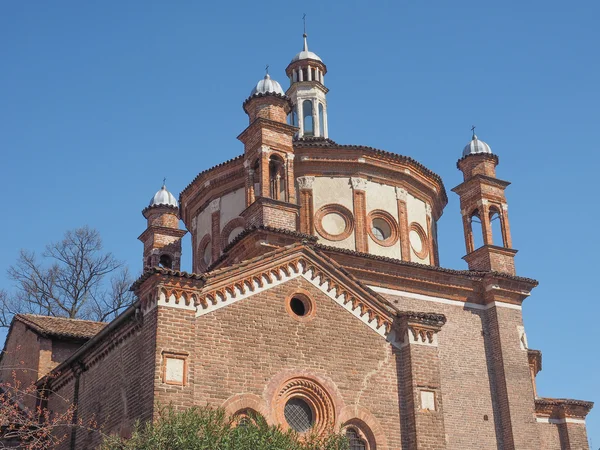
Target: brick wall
22,351
242,348
116,386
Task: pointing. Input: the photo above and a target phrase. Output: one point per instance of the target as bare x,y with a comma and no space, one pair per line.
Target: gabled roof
232,283
60,327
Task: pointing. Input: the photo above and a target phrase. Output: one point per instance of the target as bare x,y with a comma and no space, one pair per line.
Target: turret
269,158
162,238
482,201
307,91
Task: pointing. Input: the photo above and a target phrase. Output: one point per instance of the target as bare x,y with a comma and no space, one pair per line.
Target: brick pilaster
359,198
215,209
420,382
305,186
430,243
510,376
401,196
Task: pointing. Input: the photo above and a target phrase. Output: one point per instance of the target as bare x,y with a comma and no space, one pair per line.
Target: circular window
334,222
418,240
383,228
298,415
297,306
300,306
207,255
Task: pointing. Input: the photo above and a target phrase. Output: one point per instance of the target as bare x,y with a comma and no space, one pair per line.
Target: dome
267,85
305,54
164,197
476,147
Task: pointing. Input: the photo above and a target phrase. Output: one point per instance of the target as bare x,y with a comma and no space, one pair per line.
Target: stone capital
215,205
401,194
358,184
428,209
290,156
305,182
265,148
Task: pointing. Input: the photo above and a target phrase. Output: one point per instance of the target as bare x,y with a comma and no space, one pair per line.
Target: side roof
60,327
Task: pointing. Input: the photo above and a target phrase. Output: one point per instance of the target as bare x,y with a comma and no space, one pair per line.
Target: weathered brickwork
411,355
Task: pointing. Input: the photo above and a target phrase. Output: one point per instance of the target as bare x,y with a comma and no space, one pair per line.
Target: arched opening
476,230
307,118
256,178
166,261
355,440
277,178
305,74
314,74
496,224
321,120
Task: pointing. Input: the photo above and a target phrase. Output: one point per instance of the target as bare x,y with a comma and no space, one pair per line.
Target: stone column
420,382
359,196
305,185
401,196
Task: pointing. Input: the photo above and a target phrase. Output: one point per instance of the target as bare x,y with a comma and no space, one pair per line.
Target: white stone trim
445,301
305,182
215,205
559,421
299,271
401,194
177,303
359,184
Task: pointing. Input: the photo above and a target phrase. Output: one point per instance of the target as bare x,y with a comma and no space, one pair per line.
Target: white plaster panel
416,210
428,400
334,223
329,190
380,196
391,252
174,368
232,204
203,225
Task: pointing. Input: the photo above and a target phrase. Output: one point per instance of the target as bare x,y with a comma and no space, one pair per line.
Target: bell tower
308,93
482,202
269,158
162,237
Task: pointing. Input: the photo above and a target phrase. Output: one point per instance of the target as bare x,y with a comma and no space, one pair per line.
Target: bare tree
70,280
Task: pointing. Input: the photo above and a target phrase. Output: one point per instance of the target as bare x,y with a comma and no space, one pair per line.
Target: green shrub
211,429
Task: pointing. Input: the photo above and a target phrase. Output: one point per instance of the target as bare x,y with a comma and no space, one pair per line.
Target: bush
211,429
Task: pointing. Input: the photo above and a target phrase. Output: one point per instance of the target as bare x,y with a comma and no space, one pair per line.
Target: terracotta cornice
175,232
273,95
480,179
261,122
166,208
483,156
156,272
535,360
560,408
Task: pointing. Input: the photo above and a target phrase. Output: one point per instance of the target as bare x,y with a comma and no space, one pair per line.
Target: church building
316,298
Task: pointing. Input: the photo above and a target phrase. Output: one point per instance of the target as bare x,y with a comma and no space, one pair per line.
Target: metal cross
304,19
473,130
164,181
267,69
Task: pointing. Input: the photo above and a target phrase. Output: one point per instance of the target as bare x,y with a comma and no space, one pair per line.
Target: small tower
308,93
162,238
482,200
269,158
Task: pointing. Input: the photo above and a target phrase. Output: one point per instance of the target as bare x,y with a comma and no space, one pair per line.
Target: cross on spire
164,181
267,69
473,130
304,20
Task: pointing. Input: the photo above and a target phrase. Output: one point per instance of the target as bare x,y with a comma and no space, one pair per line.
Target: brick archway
362,419
244,402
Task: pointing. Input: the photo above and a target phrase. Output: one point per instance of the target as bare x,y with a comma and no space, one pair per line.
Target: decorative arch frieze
225,294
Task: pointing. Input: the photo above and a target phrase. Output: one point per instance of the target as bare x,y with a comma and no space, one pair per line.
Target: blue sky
101,100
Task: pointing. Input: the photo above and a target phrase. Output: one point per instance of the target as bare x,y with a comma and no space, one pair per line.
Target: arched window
476,230
277,178
496,224
165,261
307,117
321,121
356,442
305,74
256,178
